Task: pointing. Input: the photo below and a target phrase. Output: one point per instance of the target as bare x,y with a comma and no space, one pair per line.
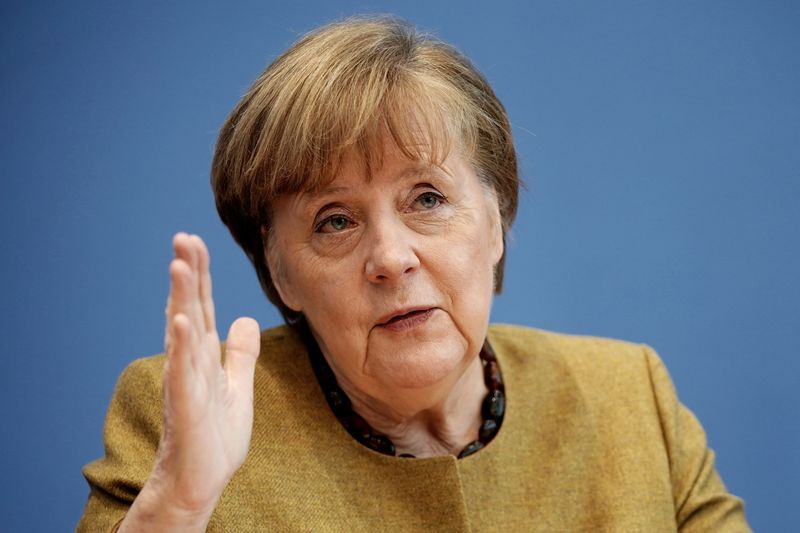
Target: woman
370,176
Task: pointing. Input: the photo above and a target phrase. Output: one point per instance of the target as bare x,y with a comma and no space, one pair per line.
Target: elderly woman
370,176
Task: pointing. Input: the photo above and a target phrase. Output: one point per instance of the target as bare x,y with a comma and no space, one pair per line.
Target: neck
427,423
442,419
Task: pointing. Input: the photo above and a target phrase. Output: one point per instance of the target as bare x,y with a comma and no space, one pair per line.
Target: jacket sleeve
132,428
702,503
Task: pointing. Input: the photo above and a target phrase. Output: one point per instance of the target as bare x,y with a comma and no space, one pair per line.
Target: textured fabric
593,439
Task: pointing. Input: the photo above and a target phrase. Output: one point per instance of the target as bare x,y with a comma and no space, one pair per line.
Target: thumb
241,352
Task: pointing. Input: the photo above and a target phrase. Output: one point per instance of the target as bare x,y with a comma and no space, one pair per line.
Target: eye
333,224
429,200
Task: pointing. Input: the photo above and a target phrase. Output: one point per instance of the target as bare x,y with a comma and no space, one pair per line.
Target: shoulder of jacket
280,338
580,353
143,371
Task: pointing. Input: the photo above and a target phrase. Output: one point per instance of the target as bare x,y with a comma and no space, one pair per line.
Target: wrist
160,508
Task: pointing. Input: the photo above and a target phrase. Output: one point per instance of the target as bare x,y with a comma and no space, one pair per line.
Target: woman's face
394,273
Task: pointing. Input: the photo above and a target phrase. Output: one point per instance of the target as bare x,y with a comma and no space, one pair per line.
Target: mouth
406,319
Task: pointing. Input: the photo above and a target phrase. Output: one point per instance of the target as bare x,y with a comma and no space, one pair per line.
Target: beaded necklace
492,409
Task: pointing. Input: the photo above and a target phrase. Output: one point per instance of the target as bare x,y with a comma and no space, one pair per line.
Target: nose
391,252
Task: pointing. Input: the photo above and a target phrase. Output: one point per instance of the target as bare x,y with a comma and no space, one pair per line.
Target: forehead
385,157
393,167
420,132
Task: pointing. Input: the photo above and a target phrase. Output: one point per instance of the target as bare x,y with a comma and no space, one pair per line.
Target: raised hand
208,407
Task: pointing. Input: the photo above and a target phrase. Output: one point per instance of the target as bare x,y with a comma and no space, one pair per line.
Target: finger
179,309
204,274
174,301
186,249
178,357
176,244
241,354
180,289
202,308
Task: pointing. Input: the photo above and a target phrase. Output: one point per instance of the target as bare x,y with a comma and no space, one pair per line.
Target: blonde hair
341,89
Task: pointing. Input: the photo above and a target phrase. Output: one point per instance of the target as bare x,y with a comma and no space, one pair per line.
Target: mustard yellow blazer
594,439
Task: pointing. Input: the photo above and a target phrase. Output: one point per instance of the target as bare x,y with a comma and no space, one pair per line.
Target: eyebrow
312,199
407,173
326,191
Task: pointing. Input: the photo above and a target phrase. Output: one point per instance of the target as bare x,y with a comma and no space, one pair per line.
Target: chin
416,363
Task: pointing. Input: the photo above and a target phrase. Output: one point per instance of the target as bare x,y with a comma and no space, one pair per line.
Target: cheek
472,281
305,278
472,238
327,292
318,284
465,266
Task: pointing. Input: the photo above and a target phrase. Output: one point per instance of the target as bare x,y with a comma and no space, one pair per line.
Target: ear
277,270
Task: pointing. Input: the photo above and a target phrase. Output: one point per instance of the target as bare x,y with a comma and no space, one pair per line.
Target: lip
394,321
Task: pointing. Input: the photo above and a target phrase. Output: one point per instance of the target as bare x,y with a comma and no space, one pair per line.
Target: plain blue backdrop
660,143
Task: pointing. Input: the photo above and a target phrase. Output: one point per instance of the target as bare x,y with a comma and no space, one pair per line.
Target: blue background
659,142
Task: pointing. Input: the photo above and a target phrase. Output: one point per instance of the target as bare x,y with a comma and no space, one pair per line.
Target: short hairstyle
342,88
